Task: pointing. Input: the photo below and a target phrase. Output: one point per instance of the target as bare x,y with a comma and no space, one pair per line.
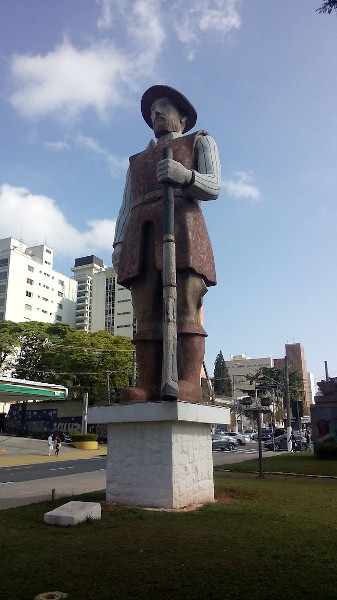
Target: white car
239,438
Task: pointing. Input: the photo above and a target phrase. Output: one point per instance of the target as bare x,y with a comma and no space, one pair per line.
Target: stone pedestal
159,453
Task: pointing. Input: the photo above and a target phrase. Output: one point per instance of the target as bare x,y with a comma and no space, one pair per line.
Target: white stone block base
73,513
160,464
159,453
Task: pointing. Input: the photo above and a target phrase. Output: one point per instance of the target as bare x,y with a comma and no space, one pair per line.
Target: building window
48,251
47,263
28,306
29,294
45,299
60,294
44,311
60,306
2,289
3,262
30,268
2,314
58,318
61,282
30,281
2,302
3,275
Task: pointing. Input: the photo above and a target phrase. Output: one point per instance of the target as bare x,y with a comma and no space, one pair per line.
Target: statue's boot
191,350
149,363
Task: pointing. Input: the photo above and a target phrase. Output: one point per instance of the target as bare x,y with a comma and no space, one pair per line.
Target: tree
99,362
273,382
327,7
9,334
222,381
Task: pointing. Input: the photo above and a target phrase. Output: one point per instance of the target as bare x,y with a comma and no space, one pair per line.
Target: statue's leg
191,335
146,294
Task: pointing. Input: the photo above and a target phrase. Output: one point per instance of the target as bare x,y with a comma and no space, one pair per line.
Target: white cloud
192,20
105,19
115,163
242,187
36,218
69,80
58,146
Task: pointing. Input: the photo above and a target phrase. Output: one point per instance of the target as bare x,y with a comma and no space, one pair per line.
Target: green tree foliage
222,381
96,362
328,6
9,334
275,380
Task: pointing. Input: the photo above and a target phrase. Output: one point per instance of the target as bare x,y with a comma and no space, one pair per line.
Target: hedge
83,437
326,451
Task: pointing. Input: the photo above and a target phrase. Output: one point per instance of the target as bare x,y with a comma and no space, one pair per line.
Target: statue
191,176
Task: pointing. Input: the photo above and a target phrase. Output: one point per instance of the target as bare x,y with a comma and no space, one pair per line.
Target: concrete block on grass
73,513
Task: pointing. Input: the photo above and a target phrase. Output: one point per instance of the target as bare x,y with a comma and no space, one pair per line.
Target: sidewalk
16,451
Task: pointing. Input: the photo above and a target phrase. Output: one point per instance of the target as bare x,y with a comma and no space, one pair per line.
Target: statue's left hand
171,171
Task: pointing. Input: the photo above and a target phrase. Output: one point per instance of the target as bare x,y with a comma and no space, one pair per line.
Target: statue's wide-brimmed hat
179,101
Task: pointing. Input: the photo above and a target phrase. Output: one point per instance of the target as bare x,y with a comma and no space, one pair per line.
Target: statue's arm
122,221
202,183
206,179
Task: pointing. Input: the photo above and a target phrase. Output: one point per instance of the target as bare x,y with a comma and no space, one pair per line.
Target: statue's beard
165,125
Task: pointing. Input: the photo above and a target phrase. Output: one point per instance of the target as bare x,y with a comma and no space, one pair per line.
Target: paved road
29,475
15,474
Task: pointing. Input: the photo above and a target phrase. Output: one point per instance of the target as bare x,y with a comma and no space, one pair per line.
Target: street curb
277,473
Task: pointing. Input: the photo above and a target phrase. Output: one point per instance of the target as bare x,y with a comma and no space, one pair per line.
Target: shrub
83,437
326,451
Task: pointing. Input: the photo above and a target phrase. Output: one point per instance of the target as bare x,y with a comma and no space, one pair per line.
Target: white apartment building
30,290
241,365
102,304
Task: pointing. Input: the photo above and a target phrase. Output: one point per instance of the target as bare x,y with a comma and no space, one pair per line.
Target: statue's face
166,117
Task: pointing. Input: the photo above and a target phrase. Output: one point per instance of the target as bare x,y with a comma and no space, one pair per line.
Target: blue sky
261,74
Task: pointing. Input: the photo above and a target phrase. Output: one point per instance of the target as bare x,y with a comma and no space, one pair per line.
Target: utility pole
287,403
85,412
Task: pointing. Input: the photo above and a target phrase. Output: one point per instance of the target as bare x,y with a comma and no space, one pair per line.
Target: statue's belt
158,195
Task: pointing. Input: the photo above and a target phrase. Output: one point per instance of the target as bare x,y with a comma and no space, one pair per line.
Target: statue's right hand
116,256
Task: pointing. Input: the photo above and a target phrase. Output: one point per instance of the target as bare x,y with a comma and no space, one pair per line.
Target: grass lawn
292,462
263,538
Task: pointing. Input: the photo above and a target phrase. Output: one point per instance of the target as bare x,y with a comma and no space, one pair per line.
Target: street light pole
287,399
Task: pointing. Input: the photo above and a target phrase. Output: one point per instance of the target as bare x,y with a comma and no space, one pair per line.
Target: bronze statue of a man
194,173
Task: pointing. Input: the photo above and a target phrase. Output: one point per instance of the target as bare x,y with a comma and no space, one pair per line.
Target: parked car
280,442
267,433
240,439
222,442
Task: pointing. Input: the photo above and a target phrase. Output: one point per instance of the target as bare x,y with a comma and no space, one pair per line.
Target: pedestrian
57,446
294,443
50,444
308,438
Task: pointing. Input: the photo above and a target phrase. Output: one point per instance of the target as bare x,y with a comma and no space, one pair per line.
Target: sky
261,74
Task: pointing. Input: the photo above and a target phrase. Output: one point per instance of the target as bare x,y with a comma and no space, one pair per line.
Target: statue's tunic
193,247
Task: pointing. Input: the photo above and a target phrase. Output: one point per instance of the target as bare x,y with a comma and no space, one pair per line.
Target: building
239,366
102,304
296,362
30,289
